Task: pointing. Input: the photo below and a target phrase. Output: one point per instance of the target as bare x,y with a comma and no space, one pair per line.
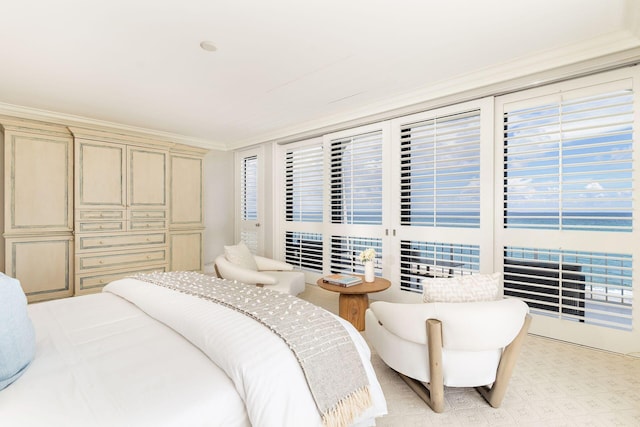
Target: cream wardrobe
83,207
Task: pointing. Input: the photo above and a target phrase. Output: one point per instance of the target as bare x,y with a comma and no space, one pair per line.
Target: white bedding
100,360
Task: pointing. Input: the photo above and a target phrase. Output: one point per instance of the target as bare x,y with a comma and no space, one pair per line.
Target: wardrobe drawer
100,215
147,215
99,226
139,225
119,241
88,262
93,282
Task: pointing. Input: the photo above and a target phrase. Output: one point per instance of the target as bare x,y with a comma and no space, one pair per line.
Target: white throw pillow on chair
468,288
241,256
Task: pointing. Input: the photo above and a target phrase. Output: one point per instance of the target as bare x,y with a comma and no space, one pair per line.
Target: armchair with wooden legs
433,345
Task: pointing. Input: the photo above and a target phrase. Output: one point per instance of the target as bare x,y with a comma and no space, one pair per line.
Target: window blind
420,260
568,163
249,189
440,171
345,251
356,179
304,251
590,287
304,176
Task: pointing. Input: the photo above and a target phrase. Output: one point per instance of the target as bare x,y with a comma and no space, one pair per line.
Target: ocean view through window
568,175
538,184
568,165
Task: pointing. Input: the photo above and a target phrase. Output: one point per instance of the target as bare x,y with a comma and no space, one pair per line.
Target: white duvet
102,361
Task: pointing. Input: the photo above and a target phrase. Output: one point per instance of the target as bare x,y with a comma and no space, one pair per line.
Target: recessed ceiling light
208,46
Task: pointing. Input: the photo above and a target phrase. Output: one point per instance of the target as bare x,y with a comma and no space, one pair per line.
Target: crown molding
614,50
71,120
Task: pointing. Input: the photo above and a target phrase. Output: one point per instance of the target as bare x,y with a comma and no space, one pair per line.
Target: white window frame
585,241
481,236
491,236
256,226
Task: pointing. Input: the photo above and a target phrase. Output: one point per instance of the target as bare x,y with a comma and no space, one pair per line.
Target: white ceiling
282,66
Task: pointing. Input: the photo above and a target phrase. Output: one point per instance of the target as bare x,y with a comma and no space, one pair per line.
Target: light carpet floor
554,384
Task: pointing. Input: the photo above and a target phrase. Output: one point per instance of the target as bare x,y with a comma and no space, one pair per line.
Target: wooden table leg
352,308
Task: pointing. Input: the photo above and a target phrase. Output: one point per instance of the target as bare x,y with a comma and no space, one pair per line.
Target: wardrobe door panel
147,178
186,192
44,265
37,183
100,173
186,251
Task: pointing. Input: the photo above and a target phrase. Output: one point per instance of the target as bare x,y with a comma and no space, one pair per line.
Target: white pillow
241,256
468,288
17,336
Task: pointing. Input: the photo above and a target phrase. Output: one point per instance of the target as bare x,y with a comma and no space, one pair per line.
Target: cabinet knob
101,281
100,242
101,262
100,227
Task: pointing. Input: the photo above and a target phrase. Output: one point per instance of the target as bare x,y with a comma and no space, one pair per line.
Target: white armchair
432,345
259,271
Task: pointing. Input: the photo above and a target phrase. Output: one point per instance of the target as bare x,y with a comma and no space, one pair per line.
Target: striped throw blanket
322,346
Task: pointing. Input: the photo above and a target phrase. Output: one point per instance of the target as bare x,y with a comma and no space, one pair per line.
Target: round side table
354,300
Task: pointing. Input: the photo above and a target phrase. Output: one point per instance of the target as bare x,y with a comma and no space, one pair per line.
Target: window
440,171
419,260
440,164
304,250
567,233
356,183
303,189
303,183
579,286
539,184
249,194
356,179
568,163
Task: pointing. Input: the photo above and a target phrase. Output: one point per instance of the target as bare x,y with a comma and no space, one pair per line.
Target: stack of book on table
342,280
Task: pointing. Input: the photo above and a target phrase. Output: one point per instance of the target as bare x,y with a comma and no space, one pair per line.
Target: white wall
218,203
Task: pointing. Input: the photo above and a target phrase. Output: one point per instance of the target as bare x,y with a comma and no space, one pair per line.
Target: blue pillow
17,337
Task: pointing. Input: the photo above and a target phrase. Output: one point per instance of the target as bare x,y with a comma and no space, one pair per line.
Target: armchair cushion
468,288
268,264
229,270
286,281
241,256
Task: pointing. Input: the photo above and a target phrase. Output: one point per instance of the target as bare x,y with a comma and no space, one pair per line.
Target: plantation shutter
357,183
249,202
346,249
440,168
568,162
303,183
439,188
304,175
568,183
580,286
423,259
356,179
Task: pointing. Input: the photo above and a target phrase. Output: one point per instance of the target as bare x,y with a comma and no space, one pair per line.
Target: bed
138,354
